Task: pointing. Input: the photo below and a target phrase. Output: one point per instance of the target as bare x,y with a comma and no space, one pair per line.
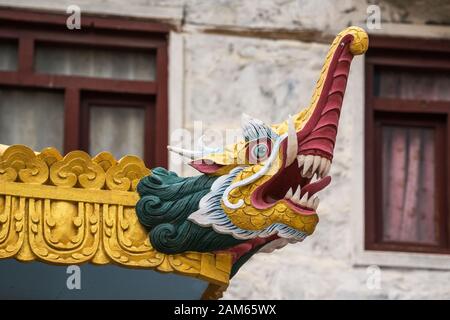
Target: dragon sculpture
261,193
256,195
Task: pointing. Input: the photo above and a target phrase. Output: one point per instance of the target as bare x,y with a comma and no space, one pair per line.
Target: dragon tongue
315,187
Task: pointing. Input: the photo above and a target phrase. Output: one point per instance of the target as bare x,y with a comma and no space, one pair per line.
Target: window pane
96,62
395,83
117,130
408,163
8,55
31,117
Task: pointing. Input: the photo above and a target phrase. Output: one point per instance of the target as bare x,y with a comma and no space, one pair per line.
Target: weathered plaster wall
303,14
323,16
227,60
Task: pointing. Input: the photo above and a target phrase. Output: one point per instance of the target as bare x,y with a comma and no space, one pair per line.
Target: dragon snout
360,42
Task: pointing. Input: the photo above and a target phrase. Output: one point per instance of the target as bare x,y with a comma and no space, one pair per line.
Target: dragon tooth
316,203
309,159
304,200
296,196
288,194
310,203
323,165
300,160
316,163
327,168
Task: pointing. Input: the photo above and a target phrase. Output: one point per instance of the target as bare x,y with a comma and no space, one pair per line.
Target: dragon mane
166,202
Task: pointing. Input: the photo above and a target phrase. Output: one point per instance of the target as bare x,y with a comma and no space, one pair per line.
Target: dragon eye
258,151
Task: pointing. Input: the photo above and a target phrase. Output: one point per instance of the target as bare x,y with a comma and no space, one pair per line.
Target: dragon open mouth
312,147
296,184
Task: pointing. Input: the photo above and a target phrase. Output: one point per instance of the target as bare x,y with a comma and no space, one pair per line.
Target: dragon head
262,191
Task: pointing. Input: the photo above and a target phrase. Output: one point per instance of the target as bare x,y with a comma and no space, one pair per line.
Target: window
100,88
124,118
407,146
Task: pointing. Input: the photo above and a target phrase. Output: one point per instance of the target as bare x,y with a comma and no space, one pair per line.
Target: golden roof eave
76,209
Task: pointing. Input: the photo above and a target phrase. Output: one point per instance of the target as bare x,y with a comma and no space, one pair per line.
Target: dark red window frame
29,28
410,55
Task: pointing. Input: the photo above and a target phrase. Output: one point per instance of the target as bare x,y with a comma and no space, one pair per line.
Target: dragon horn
185,153
292,143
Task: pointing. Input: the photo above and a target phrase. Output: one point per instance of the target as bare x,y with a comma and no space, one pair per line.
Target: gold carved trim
76,209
